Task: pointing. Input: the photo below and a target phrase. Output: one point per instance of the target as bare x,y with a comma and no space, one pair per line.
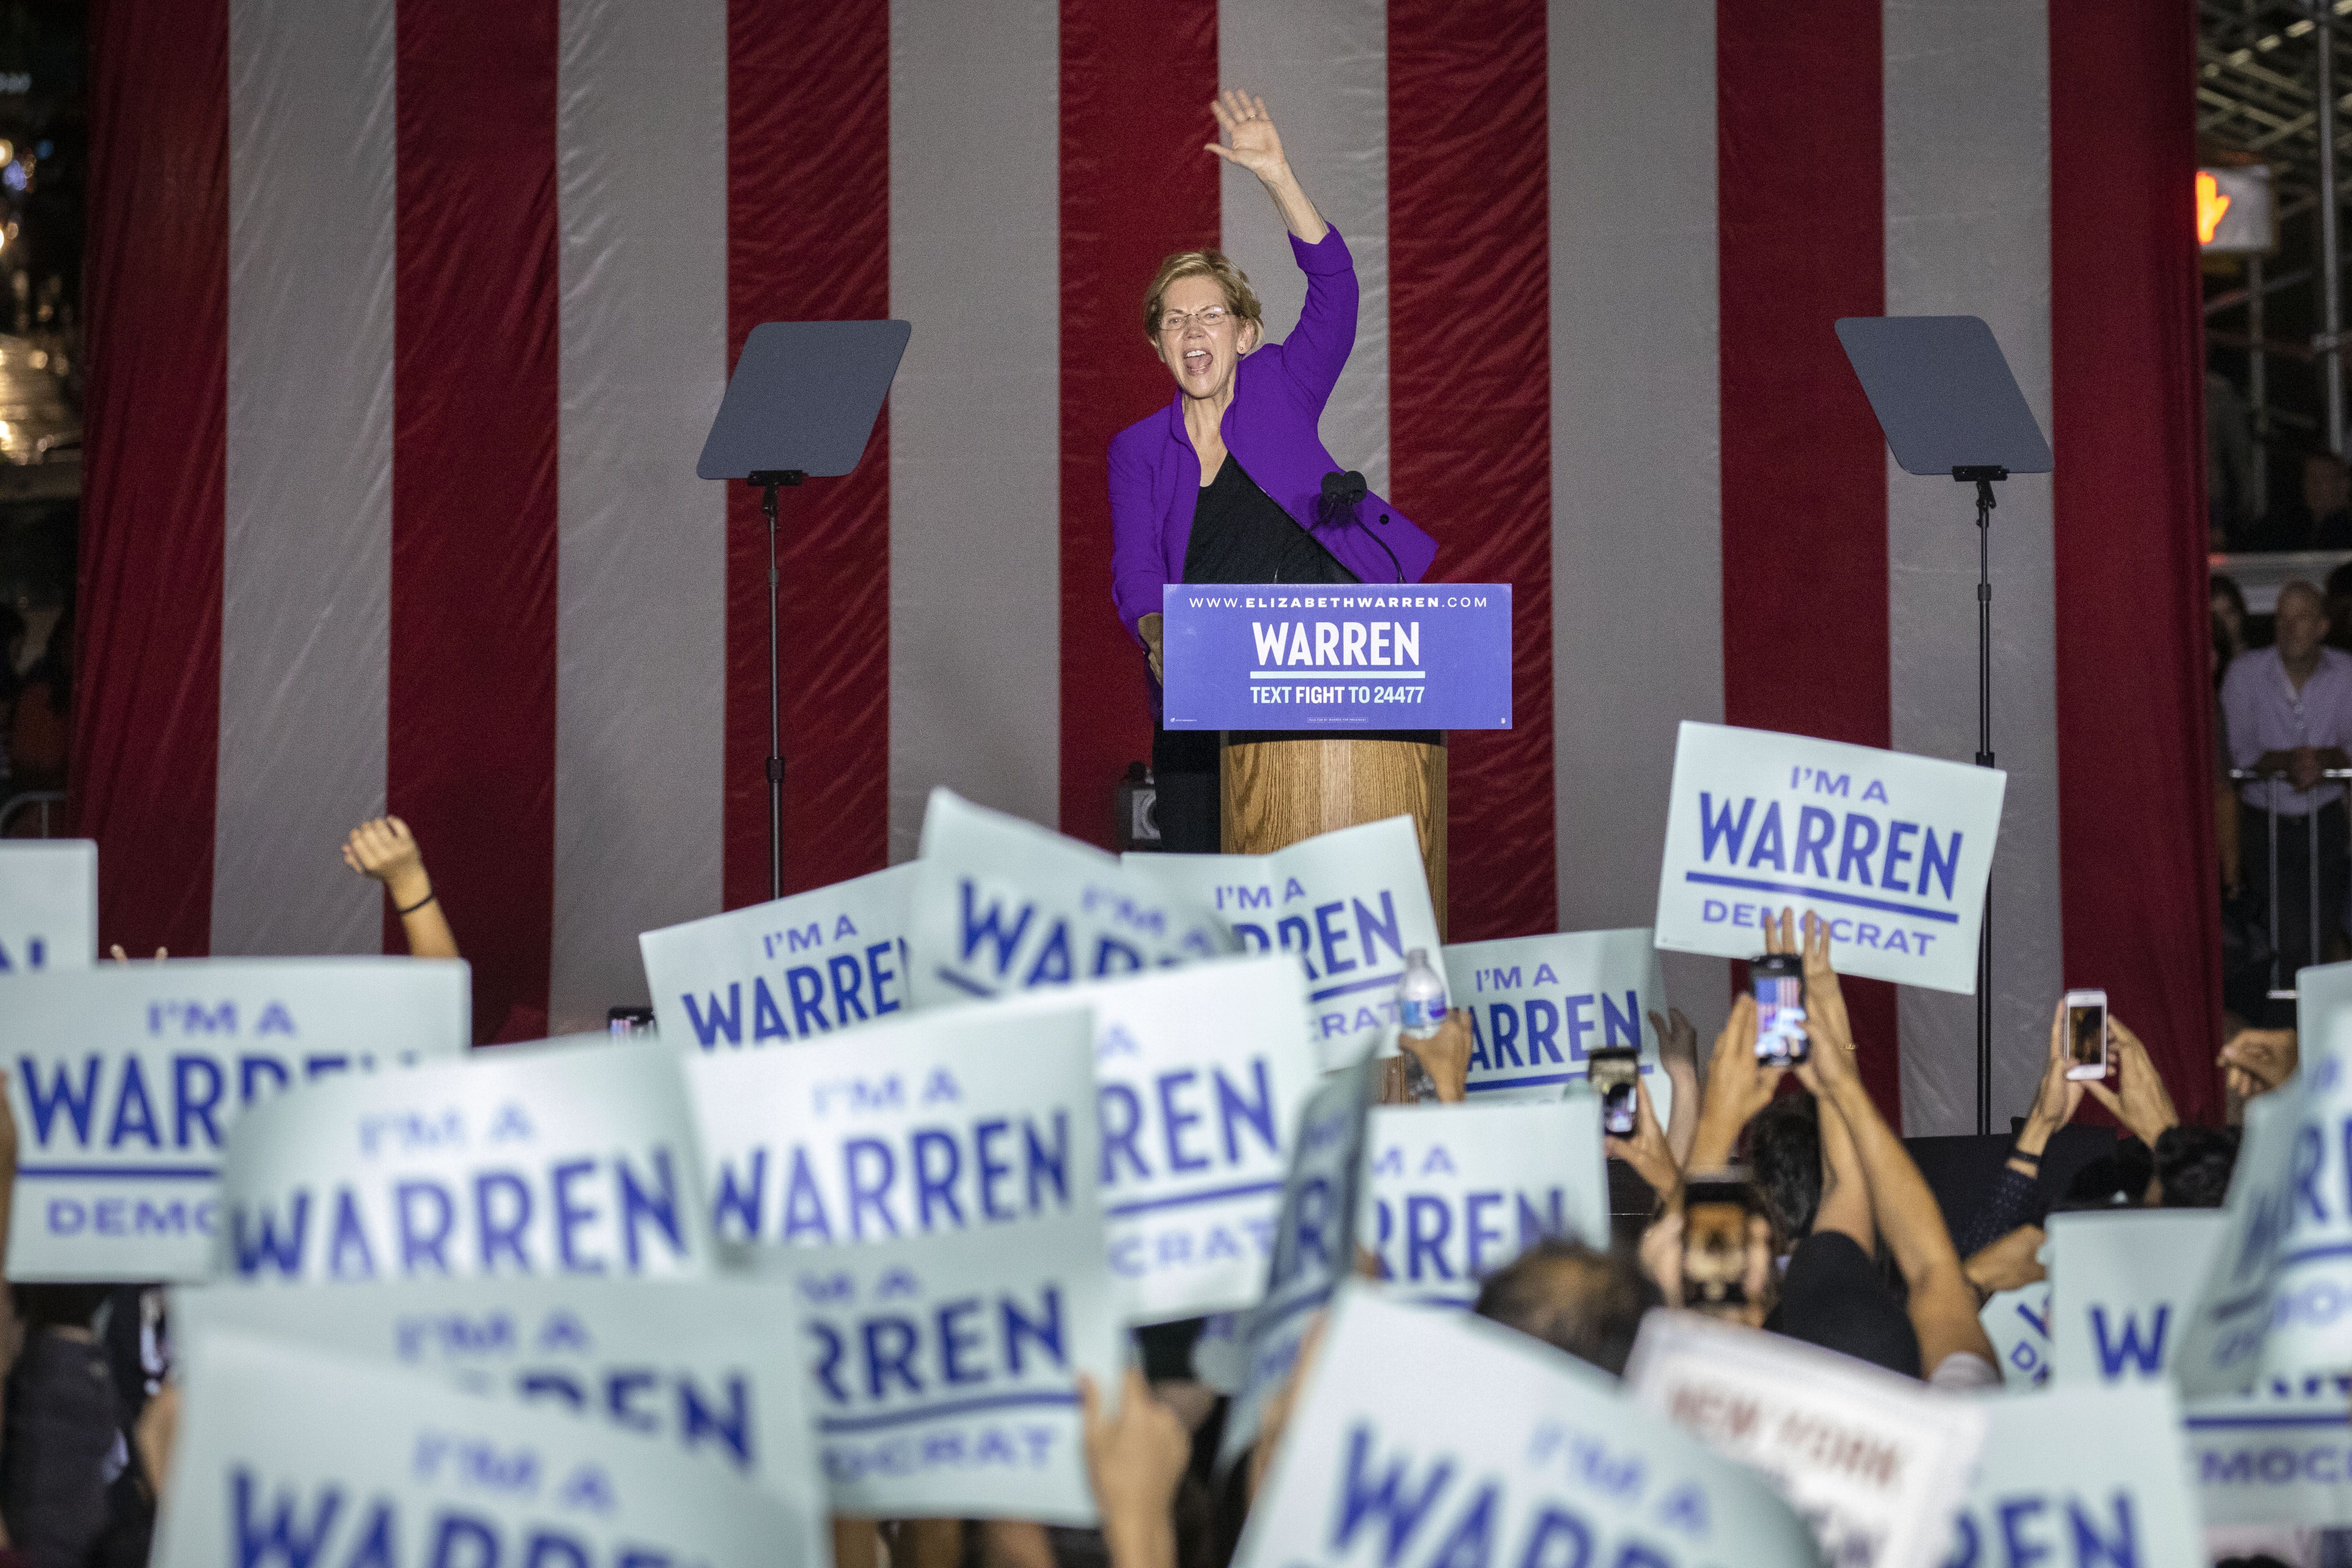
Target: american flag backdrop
408,317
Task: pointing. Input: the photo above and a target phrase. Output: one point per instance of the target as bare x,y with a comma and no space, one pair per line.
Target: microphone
1342,493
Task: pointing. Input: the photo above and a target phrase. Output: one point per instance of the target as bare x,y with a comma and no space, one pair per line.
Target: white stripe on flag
975,416
1323,70
1637,512
1968,233
306,599
641,158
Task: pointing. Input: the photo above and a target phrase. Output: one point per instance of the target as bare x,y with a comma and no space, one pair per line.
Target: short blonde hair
1239,298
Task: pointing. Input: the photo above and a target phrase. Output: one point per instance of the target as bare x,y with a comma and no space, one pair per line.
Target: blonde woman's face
1201,339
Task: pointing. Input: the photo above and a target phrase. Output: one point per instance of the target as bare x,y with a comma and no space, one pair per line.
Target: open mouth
1196,362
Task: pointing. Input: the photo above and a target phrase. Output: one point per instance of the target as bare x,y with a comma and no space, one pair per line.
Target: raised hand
1738,1087
1445,1056
386,851
1254,144
1677,1040
2139,1099
2055,1100
2257,1062
1646,1151
1136,1456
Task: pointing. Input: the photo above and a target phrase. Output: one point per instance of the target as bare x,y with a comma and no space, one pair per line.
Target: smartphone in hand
1615,1070
1777,980
2086,1034
1715,1241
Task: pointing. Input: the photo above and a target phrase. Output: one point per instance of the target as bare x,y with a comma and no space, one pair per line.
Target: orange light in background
2211,204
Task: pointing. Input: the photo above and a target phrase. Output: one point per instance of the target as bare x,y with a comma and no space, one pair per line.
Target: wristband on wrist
403,913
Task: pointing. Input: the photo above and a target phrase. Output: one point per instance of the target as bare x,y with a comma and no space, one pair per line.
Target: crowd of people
1844,1247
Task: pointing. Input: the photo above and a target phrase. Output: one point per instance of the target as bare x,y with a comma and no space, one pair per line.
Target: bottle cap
1417,955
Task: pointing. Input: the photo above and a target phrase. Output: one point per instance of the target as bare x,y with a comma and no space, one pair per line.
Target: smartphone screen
1777,980
1614,1071
2086,1034
1714,1245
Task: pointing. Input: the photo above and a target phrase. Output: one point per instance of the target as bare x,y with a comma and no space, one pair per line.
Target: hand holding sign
1136,1456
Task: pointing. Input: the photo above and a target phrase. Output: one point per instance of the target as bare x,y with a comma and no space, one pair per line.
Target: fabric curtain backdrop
397,381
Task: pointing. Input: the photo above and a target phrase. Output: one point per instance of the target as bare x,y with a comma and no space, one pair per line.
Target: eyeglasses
1212,318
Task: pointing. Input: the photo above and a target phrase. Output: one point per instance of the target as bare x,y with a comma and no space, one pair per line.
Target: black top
1241,535
1833,1296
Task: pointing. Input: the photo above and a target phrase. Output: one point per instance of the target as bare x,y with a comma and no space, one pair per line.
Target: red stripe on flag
146,712
1136,85
1470,406
808,238
2135,748
470,754
1801,206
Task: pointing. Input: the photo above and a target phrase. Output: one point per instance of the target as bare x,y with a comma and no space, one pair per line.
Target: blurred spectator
2289,712
2230,606
1573,1298
2315,519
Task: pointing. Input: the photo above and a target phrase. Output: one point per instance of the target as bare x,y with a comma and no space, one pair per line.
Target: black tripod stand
802,402
1946,399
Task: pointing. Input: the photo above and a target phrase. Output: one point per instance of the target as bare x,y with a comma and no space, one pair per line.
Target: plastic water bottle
1419,996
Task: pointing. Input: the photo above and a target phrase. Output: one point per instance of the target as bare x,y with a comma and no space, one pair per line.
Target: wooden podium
1274,792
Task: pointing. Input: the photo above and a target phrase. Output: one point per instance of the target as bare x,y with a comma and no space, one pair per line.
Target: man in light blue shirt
2289,708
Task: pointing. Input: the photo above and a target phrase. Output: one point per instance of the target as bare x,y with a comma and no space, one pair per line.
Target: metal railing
42,800
2278,993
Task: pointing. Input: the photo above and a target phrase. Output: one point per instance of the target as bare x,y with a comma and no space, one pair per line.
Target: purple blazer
1279,392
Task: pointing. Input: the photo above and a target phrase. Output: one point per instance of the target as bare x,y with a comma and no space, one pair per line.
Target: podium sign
1378,655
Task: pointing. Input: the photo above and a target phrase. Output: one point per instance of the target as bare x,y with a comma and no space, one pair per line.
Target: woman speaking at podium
1226,484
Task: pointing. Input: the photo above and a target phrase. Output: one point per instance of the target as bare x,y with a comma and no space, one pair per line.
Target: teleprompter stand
802,404
1949,404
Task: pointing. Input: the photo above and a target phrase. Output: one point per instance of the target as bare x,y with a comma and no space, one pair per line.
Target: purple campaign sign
1386,655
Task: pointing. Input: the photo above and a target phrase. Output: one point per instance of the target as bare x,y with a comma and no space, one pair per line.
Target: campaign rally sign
1425,1441
1540,1005
1385,655
792,969
48,904
2229,1318
576,1157
2281,1455
1001,905
1877,1463
943,1368
1200,1073
1350,903
1892,851
1314,1251
2018,1323
286,1454
2080,1476
125,1077
2121,1286
711,1367
970,1119
1455,1192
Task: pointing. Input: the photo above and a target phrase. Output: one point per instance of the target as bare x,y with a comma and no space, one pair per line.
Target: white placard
125,1077
2227,1321
2121,1288
285,1454
48,904
1003,905
968,1119
1430,1441
2081,1476
574,1157
1350,904
1892,850
1314,1251
2281,1456
1877,1463
1540,1005
793,969
2291,1278
712,1367
1455,1192
1201,1073
944,1367
2018,1323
